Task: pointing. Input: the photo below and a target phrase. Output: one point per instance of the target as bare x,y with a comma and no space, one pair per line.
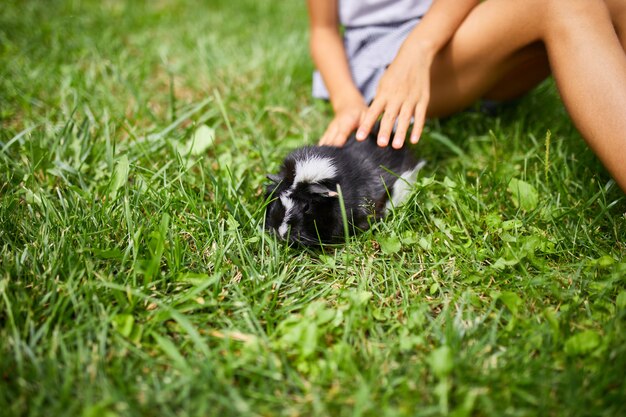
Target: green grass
134,279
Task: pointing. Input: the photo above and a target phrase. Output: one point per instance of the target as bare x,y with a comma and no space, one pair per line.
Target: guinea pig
304,197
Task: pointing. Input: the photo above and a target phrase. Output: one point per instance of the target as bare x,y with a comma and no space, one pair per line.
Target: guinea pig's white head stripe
288,205
313,170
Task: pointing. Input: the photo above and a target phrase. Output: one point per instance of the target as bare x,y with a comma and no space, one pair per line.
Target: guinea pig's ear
275,178
322,191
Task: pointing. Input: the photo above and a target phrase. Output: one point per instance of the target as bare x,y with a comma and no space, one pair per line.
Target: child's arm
330,59
404,89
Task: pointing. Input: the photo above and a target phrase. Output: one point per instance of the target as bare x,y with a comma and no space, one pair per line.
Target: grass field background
134,278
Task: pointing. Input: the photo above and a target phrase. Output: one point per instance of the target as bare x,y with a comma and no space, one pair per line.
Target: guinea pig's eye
306,208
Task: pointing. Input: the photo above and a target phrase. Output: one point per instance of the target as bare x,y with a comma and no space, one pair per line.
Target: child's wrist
418,48
347,99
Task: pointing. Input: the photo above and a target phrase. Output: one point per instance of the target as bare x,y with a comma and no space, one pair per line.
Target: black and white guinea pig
304,204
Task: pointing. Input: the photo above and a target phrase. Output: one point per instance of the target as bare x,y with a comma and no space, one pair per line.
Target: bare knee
561,17
564,8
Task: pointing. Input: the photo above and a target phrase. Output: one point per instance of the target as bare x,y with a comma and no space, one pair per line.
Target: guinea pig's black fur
304,204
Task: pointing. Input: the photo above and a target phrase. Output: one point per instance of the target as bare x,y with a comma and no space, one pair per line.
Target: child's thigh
496,53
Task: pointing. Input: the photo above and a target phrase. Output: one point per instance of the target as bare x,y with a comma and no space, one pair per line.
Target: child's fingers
341,137
328,136
369,119
386,123
404,121
419,119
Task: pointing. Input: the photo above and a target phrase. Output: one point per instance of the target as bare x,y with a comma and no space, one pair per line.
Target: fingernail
414,139
360,135
382,141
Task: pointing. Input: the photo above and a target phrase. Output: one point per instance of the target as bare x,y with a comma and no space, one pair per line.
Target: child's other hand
345,122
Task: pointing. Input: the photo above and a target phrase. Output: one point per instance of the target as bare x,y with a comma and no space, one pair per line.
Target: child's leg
503,47
617,9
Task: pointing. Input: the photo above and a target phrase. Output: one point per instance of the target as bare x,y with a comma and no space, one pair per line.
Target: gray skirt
370,49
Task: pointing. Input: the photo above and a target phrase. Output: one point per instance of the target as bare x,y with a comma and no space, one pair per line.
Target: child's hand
345,122
403,92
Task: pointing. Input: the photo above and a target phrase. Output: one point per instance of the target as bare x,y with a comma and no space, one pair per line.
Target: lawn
135,278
